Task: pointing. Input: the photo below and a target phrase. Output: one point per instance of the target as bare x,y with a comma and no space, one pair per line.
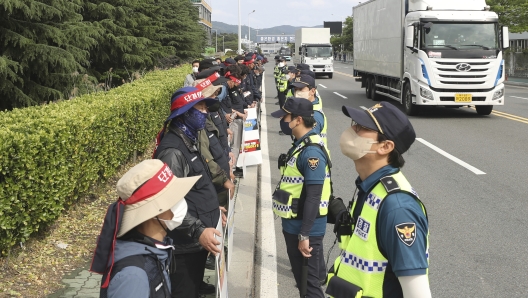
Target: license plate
463,97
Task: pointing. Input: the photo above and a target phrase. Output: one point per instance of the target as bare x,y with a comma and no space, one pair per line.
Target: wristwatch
302,238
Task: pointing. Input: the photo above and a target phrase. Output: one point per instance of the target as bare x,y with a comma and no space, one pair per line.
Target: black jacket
237,100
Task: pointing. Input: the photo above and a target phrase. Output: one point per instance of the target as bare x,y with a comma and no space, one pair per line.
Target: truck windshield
461,36
285,51
319,52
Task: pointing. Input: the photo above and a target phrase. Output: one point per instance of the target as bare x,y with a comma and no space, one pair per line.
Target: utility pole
239,30
223,45
216,41
249,27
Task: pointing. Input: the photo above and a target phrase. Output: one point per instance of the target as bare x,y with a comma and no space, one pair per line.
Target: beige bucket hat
149,189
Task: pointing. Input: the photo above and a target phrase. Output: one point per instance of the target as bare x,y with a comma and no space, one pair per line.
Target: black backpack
159,287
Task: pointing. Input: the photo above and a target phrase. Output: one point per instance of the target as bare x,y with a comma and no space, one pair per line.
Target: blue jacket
132,282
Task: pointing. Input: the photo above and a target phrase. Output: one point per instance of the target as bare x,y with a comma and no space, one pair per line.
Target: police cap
296,106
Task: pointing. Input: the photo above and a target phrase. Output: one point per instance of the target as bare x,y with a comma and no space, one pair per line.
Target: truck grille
319,66
479,74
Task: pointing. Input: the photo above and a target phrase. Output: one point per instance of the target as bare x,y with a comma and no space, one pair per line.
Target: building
519,42
204,13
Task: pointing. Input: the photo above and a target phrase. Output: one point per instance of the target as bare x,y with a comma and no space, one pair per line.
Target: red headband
232,78
208,81
186,98
249,62
153,186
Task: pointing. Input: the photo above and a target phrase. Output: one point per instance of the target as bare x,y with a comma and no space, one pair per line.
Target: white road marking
451,157
519,97
364,108
267,263
340,95
322,86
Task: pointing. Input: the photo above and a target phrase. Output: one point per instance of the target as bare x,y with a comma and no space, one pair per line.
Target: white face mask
281,64
354,146
195,69
179,210
287,77
302,94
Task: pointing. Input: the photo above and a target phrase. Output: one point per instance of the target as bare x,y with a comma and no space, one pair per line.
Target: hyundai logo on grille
463,67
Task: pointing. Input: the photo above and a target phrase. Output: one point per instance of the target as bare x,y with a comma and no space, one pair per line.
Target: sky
271,13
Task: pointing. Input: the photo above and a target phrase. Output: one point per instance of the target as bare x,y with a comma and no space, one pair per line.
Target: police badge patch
406,232
313,163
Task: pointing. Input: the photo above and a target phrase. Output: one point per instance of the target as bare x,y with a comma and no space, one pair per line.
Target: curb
519,84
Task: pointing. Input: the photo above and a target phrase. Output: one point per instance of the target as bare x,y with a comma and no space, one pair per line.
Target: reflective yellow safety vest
287,197
283,83
319,107
361,264
320,104
276,72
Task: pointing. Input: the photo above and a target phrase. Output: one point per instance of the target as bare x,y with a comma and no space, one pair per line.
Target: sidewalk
512,81
83,284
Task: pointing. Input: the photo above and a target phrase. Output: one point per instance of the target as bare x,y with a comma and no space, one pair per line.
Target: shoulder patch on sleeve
406,232
313,163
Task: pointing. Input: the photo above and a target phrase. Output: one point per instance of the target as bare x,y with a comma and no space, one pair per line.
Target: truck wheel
484,110
409,107
373,95
330,75
367,87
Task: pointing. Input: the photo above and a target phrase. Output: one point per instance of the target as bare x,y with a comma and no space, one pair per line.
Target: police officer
386,253
305,88
301,198
284,83
280,69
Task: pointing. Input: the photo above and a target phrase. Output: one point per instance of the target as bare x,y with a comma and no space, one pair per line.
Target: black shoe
277,103
276,97
238,173
206,288
210,263
281,133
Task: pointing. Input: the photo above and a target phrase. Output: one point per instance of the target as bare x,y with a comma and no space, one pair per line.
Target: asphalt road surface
469,170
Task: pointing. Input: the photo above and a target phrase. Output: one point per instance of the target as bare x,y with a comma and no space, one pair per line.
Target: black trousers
190,269
282,98
316,264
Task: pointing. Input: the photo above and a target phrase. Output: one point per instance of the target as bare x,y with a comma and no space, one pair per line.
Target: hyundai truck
314,48
430,53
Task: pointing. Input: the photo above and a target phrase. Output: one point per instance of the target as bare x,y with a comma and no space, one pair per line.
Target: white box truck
314,48
430,53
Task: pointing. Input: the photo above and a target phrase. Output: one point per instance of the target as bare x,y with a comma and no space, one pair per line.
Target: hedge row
50,155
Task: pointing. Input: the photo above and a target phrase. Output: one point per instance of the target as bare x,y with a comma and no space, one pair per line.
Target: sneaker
206,288
210,263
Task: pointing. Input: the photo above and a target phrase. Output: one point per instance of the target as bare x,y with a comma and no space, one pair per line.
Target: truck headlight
498,94
426,93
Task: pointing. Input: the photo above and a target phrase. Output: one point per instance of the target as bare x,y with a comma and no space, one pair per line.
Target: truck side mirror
409,38
505,38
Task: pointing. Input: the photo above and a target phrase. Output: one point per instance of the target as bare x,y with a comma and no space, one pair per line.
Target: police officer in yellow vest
301,198
305,88
386,253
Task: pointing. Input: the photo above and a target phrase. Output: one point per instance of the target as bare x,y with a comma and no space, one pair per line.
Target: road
476,198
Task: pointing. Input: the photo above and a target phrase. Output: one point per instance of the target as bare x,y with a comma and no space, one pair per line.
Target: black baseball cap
207,63
296,106
388,120
303,66
303,80
277,57
308,72
292,69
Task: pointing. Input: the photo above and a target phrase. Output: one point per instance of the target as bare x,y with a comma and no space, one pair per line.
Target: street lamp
223,45
216,41
249,26
239,30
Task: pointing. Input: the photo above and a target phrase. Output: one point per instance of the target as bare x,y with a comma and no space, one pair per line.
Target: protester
133,249
178,148
190,78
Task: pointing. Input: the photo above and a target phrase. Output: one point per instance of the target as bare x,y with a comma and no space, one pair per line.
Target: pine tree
42,42
181,29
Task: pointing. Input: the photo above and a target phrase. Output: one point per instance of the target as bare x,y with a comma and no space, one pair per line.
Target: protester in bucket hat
179,147
133,236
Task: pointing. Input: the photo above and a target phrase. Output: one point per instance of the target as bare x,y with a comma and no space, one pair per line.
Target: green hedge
50,155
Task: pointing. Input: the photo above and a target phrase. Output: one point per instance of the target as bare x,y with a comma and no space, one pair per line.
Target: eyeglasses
357,128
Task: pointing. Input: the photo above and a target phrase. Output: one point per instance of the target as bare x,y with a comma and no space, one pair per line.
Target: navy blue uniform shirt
311,176
397,209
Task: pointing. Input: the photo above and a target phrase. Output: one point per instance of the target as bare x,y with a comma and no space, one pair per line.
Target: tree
512,13
345,41
42,43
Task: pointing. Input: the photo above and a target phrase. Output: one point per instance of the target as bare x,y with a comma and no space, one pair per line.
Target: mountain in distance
277,30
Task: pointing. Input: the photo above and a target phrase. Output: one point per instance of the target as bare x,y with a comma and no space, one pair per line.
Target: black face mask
214,107
285,127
